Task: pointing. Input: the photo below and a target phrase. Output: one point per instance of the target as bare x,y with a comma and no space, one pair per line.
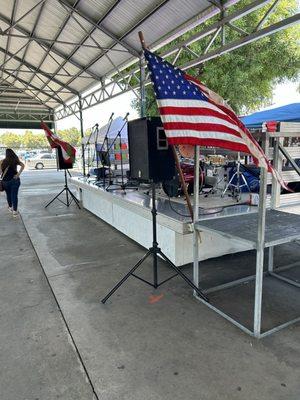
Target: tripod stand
155,251
238,175
69,195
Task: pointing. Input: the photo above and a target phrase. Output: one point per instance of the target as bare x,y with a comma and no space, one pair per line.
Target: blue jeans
11,189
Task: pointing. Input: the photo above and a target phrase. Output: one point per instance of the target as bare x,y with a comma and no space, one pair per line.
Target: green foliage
246,76
71,135
34,141
30,140
10,139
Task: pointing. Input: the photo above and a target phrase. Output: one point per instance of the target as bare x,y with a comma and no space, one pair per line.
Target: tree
11,140
34,140
71,135
246,76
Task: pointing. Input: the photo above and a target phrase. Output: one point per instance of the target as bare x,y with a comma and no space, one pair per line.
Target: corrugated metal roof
52,50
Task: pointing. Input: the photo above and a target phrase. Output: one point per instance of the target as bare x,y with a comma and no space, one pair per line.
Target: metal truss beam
31,34
31,87
14,9
14,23
229,18
252,37
25,116
98,26
50,48
111,88
87,36
47,46
52,41
104,53
119,40
38,71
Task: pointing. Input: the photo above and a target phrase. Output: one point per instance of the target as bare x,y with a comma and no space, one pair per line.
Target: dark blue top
11,172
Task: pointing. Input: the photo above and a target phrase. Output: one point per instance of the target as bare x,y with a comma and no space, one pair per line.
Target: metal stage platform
130,213
280,228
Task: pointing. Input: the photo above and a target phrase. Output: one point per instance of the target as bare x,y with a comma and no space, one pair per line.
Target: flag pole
177,162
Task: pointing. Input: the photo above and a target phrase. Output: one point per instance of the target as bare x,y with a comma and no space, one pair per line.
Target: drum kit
219,175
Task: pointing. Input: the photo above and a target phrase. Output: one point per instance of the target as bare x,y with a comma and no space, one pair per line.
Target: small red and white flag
68,151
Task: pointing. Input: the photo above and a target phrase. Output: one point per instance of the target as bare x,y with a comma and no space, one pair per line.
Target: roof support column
82,135
142,87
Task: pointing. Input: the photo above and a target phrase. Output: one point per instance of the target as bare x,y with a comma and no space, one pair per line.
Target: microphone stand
95,148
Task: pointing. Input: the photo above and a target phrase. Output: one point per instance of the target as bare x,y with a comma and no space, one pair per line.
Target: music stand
119,136
88,142
105,165
155,251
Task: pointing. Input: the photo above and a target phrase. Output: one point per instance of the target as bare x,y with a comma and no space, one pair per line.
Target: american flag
68,151
193,114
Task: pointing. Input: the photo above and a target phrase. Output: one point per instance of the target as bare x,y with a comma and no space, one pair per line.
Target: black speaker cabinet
150,157
61,163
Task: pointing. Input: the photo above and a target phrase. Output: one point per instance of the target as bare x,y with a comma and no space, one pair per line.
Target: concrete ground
58,341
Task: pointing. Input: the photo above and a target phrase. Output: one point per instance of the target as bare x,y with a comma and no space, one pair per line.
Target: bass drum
172,188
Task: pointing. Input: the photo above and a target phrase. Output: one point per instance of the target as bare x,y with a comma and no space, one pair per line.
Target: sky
286,93
100,113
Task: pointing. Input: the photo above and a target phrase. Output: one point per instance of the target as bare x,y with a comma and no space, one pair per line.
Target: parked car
47,160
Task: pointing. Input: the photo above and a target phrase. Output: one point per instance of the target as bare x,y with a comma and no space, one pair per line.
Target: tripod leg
183,276
116,287
245,182
228,185
74,198
54,198
67,196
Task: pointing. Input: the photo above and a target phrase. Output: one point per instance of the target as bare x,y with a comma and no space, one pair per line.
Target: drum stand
154,251
236,187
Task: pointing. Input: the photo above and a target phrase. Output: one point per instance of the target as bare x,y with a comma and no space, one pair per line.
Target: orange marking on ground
154,299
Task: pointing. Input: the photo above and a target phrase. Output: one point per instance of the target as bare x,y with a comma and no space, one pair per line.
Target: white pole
260,246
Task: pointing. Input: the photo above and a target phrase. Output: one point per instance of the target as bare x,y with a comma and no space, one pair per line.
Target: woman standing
11,179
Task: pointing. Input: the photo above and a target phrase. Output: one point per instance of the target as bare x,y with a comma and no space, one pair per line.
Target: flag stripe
211,142
203,135
198,126
203,119
188,103
178,110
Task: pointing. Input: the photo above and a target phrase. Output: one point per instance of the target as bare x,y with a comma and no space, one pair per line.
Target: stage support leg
271,259
195,219
260,246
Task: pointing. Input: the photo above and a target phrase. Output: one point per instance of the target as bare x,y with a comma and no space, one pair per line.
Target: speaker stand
69,195
155,251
